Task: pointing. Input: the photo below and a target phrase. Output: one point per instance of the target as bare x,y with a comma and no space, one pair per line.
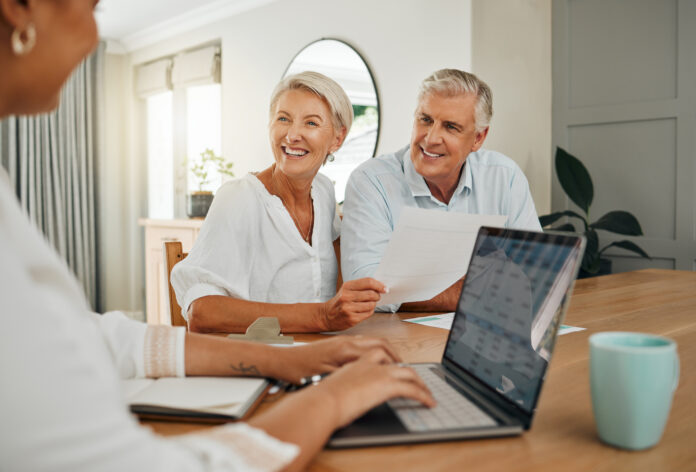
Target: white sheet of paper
443,321
428,251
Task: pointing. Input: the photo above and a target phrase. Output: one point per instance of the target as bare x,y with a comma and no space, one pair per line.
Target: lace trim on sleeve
241,447
161,351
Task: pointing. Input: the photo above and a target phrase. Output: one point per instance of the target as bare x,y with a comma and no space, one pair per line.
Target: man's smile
430,154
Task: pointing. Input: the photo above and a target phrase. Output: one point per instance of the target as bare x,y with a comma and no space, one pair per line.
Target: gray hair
325,88
452,82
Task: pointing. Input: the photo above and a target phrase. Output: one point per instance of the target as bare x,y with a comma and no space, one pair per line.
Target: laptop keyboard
453,410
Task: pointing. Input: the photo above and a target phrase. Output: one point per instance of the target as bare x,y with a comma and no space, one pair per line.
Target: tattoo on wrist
247,370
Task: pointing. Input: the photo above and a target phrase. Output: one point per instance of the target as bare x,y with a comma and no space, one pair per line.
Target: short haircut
453,82
325,88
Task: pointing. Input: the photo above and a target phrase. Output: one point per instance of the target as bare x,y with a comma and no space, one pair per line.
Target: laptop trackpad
379,421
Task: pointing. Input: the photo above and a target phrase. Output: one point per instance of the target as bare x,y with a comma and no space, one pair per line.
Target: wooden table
563,435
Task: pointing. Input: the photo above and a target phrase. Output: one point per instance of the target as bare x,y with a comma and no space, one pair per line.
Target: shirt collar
417,184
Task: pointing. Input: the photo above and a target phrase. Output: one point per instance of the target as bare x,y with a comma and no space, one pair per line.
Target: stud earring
23,41
330,157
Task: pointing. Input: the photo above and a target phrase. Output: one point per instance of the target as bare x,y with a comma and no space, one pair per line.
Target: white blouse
61,401
249,248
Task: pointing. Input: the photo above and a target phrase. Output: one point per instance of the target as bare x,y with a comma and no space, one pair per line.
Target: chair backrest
173,253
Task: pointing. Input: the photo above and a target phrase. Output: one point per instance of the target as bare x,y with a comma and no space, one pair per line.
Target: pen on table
277,386
305,382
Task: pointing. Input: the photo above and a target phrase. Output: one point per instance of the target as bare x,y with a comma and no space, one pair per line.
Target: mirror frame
369,71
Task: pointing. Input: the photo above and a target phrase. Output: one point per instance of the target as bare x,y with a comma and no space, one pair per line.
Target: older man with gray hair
444,168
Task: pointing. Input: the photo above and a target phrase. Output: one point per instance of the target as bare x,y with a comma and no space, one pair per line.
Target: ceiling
132,22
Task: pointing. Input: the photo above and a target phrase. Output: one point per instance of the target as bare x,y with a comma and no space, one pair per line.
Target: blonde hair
452,82
325,88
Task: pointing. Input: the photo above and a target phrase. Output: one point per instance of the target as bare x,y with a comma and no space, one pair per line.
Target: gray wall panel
633,167
622,51
624,102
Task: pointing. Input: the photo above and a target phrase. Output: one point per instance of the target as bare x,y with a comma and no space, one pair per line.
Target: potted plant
199,201
577,184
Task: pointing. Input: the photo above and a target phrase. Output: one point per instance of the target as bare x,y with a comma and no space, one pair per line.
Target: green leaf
551,218
574,179
621,222
628,245
590,260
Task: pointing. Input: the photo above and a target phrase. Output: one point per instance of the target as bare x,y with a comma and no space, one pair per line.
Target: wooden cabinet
157,232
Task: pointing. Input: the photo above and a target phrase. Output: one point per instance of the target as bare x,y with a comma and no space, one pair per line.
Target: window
183,106
160,156
203,131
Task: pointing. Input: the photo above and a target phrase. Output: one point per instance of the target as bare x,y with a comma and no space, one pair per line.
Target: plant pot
604,269
198,203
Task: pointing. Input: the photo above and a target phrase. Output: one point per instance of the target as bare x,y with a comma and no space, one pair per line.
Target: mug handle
676,372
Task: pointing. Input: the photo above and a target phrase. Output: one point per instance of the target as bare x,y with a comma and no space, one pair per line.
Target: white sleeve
253,449
222,257
141,350
61,402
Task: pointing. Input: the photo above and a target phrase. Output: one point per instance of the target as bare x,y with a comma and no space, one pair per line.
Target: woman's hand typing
294,363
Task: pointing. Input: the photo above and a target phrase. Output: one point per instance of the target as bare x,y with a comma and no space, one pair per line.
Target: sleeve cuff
241,447
180,351
163,352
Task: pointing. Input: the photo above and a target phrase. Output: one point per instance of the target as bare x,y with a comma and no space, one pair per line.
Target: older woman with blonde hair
269,245
62,404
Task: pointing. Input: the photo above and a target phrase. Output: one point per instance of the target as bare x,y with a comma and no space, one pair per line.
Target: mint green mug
633,377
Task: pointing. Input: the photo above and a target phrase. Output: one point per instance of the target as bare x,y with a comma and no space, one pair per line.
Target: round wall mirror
342,63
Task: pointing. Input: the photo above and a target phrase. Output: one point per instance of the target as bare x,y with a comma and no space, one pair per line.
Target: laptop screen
510,309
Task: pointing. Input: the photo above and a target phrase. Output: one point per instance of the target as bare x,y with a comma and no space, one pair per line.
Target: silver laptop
512,304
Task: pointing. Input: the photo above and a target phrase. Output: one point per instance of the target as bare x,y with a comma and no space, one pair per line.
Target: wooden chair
173,253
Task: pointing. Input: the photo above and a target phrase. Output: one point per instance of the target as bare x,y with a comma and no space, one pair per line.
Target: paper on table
565,329
445,320
428,251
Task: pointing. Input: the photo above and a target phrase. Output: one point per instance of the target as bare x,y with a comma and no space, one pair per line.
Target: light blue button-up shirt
490,184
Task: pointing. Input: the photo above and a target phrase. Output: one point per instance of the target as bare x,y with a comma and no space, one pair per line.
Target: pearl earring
23,41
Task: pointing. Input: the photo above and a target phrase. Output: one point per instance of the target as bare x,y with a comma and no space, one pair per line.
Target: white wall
121,186
512,54
402,41
114,269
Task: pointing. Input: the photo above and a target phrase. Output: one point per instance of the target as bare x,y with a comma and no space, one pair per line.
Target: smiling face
302,133
444,133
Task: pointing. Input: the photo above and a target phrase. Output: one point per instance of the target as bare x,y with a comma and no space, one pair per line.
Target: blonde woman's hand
355,301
